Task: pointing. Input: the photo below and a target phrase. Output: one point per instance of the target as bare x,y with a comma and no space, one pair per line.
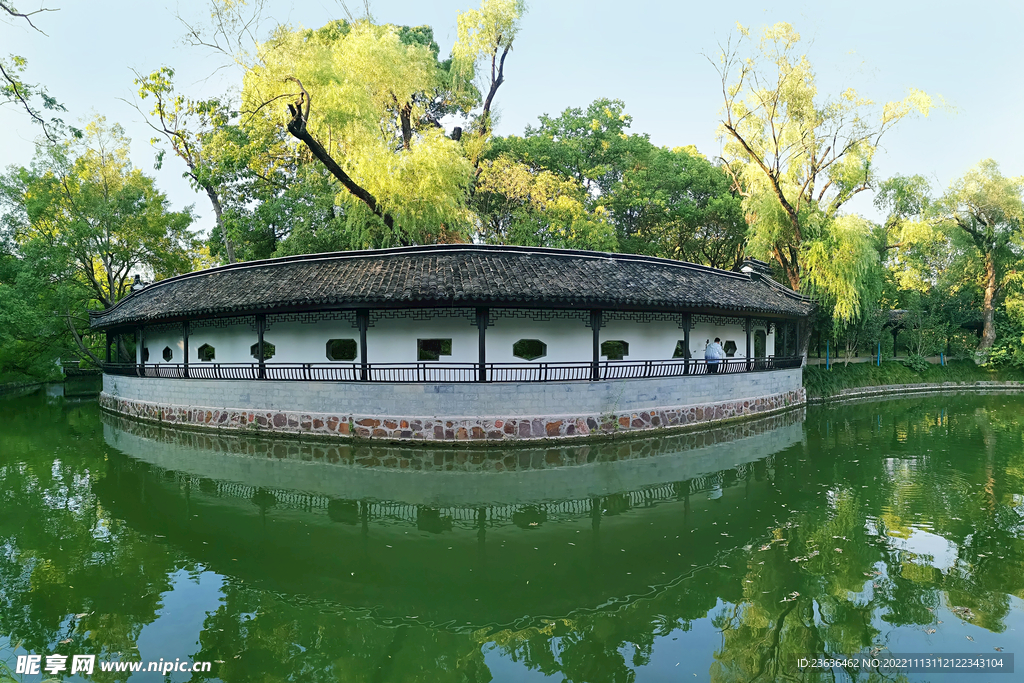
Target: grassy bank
821,382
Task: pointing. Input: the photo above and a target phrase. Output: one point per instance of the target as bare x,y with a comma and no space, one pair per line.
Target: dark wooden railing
453,372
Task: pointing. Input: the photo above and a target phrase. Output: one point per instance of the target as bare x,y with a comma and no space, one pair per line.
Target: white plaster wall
156,341
702,332
392,340
568,341
231,344
655,340
296,342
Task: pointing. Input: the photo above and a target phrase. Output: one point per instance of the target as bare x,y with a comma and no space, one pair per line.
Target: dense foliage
362,135
820,381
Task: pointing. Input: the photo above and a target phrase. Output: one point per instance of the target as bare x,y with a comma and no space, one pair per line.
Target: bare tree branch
8,7
299,111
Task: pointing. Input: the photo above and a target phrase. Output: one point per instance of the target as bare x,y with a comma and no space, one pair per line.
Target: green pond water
892,526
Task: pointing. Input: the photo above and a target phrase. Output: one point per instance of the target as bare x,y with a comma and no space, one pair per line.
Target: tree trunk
297,127
80,343
988,335
122,355
789,268
405,115
229,247
805,328
497,78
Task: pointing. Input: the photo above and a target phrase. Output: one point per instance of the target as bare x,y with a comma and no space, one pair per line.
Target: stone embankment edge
452,429
16,386
922,388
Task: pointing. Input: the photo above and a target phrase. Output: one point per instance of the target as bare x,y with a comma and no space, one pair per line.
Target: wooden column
261,328
687,319
796,333
482,319
363,321
184,338
746,327
139,341
595,324
108,346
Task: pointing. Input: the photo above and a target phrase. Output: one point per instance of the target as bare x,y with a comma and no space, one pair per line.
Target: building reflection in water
475,536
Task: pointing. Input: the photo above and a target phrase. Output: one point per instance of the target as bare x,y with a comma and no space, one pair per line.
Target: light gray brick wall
456,400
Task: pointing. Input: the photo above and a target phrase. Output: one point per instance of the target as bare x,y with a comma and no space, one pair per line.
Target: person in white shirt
713,354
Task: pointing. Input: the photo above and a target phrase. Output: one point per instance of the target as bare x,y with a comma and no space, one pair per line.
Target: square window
433,349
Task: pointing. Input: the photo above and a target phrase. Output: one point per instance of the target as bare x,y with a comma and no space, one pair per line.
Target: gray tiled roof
456,275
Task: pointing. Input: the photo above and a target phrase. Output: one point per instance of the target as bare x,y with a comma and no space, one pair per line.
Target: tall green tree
798,158
86,221
520,204
984,210
379,91
672,203
485,37
196,132
592,146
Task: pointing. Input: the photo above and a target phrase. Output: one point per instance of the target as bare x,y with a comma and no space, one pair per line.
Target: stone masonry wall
453,412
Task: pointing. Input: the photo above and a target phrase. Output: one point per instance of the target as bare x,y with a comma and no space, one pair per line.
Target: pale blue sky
570,52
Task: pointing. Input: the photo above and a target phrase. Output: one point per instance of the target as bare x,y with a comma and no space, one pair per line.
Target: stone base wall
509,412
888,390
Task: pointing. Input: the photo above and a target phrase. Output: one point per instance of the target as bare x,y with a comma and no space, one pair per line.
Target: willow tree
798,158
986,209
485,37
364,100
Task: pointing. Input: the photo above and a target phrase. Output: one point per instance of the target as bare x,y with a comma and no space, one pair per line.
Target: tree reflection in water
862,528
